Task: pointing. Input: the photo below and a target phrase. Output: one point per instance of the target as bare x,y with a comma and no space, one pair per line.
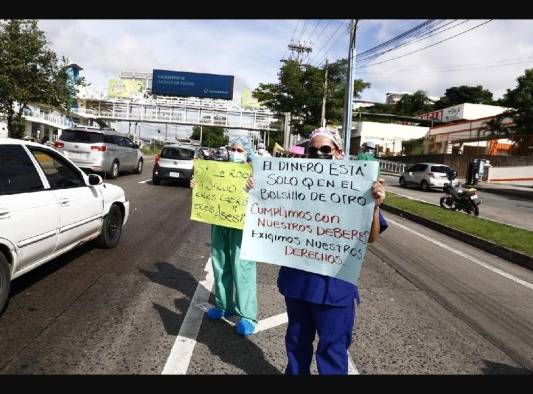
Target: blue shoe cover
215,313
245,327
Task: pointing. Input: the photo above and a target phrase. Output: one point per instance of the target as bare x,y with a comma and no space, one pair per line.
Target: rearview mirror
95,180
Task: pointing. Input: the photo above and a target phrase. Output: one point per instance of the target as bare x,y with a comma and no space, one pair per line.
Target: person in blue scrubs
319,304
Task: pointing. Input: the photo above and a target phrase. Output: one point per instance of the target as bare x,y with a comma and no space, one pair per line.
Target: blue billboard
186,84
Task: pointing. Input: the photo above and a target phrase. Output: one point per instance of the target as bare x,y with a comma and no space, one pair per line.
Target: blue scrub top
319,289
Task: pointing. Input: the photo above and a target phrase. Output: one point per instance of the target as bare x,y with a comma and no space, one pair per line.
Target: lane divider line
148,180
180,356
466,256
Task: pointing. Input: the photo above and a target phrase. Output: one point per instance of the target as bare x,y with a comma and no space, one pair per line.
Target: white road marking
272,322
352,369
148,180
467,256
181,353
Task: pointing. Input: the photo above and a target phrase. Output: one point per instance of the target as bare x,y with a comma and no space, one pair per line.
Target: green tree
30,73
300,90
464,94
413,104
520,99
212,136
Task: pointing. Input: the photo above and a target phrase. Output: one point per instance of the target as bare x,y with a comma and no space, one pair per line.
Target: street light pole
348,100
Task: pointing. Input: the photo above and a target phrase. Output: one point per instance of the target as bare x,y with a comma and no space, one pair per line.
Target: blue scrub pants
334,325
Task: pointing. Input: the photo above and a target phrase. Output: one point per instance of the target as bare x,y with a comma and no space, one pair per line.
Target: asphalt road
426,308
513,210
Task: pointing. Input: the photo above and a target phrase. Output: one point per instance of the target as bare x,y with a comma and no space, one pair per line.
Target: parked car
102,151
174,162
48,206
426,175
221,155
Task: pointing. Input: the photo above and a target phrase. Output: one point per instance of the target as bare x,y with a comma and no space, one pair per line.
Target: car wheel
111,229
156,181
402,182
139,168
425,186
5,282
115,168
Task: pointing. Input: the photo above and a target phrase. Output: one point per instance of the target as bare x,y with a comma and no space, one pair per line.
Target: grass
149,150
501,234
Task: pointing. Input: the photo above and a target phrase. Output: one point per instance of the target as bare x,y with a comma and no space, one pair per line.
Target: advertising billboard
187,84
124,88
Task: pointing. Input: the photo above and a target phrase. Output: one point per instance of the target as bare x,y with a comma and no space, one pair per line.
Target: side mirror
135,146
95,180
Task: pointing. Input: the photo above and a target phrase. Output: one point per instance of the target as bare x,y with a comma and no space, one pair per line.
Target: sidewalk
490,187
518,191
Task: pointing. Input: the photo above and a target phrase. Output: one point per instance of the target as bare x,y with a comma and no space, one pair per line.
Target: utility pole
348,100
323,116
300,48
166,131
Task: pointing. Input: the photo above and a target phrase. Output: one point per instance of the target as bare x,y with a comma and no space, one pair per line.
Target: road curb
526,194
505,253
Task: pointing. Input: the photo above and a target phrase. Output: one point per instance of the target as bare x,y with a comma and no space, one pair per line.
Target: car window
81,136
444,169
127,142
177,154
109,139
420,168
17,172
409,168
60,173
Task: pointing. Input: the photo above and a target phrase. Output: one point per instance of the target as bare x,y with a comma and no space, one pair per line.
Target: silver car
175,162
101,151
426,175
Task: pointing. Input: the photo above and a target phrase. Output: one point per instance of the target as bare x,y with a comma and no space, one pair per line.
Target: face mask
237,157
261,151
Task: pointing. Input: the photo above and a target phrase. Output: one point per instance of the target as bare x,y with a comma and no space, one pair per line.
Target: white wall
521,175
388,135
3,129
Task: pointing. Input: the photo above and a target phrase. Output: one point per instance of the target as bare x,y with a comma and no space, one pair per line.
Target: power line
426,47
321,50
462,67
424,36
292,38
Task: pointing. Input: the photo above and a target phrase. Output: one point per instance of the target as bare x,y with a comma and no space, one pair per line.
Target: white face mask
260,151
237,157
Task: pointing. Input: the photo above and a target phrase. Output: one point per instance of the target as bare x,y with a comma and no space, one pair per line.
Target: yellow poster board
218,196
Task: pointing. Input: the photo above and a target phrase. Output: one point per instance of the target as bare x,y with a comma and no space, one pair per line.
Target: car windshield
443,169
81,136
177,154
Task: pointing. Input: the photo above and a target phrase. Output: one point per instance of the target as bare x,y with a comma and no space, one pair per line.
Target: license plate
474,197
75,155
174,174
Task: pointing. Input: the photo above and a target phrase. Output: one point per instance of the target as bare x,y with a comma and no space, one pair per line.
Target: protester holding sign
316,302
229,270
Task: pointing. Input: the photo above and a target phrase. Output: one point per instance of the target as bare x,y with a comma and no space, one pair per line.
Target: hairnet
245,143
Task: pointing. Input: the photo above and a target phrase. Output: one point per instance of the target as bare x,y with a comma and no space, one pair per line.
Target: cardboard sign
310,214
218,196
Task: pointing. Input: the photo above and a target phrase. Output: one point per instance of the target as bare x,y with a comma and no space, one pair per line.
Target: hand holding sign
219,195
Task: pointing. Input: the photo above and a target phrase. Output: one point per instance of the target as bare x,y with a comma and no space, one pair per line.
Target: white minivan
48,206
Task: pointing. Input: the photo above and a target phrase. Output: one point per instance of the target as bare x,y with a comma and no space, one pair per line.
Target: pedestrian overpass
178,111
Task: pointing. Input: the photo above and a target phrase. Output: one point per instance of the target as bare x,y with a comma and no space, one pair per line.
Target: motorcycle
460,199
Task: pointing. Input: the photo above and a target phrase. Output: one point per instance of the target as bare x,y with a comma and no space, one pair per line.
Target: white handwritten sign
314,215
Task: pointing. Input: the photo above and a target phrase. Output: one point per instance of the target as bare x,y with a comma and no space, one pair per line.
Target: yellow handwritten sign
218,196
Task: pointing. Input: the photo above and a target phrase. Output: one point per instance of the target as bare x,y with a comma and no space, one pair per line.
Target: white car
48,206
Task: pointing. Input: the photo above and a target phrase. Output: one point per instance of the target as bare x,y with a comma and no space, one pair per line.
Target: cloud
491,44
251,50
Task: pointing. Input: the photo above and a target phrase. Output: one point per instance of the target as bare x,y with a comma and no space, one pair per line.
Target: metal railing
391,166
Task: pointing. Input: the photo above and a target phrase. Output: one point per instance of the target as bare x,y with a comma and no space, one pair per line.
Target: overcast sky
493,55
